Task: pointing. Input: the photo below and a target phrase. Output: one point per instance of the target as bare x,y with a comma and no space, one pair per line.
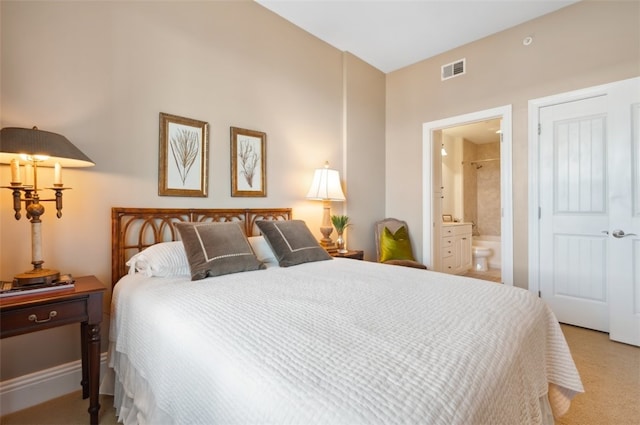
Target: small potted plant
340,222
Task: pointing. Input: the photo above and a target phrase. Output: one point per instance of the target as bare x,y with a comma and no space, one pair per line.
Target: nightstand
21,314
356,255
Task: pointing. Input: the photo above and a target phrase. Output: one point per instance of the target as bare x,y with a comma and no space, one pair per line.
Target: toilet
480,255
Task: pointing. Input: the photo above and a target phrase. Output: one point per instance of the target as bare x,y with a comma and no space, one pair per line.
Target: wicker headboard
134,229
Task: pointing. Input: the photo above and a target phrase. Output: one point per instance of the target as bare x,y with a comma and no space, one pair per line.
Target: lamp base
326,241
330,247
36,277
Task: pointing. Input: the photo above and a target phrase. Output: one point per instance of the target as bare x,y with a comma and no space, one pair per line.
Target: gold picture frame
183,166
447,218
248,163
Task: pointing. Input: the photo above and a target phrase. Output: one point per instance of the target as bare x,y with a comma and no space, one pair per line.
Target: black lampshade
15,142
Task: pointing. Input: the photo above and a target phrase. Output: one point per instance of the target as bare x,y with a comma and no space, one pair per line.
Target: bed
326,341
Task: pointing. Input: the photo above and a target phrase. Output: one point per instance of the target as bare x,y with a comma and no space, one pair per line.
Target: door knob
620,234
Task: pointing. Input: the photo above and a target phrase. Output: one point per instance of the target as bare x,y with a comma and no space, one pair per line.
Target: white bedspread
335,342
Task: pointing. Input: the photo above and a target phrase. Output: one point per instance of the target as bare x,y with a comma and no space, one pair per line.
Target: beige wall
452,177
582,45
364,152
100,72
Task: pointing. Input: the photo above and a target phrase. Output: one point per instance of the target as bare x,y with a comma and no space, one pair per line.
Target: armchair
393,243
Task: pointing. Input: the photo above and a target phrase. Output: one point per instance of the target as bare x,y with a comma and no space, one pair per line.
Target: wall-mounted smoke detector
453,69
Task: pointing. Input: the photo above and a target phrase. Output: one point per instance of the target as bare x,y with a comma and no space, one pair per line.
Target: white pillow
165,259
262,249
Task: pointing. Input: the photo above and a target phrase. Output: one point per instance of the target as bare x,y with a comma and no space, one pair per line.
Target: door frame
506,184
534,163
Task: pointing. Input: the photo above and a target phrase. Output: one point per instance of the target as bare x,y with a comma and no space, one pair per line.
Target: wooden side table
21,314
356,255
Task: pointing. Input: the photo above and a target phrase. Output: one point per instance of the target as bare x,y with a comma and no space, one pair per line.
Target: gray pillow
292,242
215,249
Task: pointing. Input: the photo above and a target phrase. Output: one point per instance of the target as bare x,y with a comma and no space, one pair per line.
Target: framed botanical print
248,163
184,156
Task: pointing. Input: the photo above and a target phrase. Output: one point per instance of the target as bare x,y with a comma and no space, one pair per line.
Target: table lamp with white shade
326,187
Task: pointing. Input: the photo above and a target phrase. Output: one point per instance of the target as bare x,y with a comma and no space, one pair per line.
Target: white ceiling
478,132
392,34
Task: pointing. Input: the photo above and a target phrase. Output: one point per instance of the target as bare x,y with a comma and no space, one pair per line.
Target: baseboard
35,388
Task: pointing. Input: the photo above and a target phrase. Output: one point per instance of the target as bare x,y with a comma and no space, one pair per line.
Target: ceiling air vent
453,69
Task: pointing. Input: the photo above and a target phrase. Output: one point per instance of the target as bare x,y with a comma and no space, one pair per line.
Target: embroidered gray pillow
292,242
215,249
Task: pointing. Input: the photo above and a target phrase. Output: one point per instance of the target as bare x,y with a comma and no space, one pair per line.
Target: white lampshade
326,185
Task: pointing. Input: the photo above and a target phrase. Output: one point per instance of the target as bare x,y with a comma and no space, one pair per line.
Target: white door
624,223
574,212
588,198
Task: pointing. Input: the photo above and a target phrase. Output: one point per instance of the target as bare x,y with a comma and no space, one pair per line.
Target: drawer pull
34,318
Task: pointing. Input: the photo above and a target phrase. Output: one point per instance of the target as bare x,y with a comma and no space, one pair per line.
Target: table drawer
458,229
447,251
447,242
448,264
462,229
44,316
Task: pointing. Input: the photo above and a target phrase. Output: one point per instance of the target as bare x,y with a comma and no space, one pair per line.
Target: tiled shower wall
469,181
482,187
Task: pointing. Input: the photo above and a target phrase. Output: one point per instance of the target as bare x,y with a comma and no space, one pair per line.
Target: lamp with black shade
326,188
37,148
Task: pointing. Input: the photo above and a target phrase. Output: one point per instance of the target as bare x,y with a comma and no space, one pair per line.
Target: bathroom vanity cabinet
456,248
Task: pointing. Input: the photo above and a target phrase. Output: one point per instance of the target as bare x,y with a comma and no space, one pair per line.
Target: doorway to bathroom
470,182
470,191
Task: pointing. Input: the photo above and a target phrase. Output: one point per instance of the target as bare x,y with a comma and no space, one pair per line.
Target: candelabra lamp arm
17,203
59,200
29,194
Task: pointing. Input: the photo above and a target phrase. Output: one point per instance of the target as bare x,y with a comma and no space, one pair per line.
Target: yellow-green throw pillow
395,246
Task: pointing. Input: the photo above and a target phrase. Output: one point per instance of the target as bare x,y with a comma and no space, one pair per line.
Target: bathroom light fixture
326,188
443,151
